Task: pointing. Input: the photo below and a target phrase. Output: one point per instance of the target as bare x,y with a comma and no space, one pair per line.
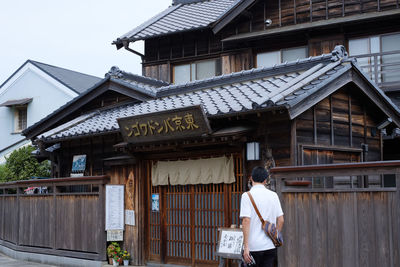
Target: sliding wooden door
185,229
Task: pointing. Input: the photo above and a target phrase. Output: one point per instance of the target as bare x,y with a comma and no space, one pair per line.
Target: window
197,71
20,118
269,59
379,56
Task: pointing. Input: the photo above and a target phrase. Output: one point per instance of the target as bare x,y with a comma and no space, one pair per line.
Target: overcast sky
73,34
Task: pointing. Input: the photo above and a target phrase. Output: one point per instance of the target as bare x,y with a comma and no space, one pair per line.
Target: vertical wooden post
350,124
331,119
315,125
53,217
163,224
192,225
102,230
18,217
293,143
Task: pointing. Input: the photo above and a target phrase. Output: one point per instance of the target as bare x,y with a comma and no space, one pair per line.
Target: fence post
18,217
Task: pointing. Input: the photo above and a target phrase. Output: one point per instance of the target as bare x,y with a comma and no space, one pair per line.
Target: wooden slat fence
357,225
67,219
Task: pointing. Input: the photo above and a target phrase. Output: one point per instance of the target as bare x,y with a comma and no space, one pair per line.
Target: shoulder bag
269,228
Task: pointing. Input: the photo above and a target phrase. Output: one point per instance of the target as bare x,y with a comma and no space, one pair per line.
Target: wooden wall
340,226
288,12
336,128
340,229
162,53
96,149
56,223
134,236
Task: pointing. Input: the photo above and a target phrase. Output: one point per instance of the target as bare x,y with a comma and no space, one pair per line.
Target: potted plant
126,256
116,258
113,249
110,253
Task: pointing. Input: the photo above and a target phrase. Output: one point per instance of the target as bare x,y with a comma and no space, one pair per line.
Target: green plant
126,255
116,256
113,249
4,173
110,250
21,165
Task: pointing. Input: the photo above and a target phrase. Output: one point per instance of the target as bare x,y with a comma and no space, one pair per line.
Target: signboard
115,235
130,217
114,207
230,243
155,202
78,165
165,125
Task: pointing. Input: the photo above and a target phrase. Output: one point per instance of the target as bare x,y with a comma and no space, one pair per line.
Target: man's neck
255,183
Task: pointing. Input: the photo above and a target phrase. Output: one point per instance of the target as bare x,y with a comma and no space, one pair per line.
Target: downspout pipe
125,43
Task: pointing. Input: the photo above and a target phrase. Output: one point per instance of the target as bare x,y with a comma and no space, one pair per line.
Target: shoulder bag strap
255,208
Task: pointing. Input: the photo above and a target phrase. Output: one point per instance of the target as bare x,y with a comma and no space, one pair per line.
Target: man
255,240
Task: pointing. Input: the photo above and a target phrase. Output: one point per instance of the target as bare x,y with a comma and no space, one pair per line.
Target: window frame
20,123
218,68
280,51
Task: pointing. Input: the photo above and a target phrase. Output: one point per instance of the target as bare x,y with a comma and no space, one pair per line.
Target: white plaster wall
46,98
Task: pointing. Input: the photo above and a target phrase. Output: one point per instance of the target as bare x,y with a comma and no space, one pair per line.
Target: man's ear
251,179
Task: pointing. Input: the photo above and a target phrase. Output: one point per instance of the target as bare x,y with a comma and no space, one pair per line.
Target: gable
29,69
359,82
110,91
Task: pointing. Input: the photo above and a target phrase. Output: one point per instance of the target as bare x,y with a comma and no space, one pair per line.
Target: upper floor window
269,59
378,55
20,118
197,70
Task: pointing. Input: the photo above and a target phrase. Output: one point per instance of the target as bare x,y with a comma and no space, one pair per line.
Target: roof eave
231,14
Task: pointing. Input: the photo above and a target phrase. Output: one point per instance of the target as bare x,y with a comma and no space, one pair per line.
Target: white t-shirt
270,208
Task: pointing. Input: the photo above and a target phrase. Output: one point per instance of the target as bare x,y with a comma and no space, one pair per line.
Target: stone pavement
6,261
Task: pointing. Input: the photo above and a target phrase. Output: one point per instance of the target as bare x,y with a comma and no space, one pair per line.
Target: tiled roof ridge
116,72
187,2
245,74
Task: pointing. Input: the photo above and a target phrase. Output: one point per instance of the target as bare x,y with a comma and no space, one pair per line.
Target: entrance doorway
185,228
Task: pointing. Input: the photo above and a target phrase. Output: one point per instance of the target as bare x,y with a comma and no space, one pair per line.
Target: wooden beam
350,123
331,121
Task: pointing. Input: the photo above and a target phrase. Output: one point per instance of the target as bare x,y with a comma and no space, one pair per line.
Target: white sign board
130,217
115,235
114,207
230,243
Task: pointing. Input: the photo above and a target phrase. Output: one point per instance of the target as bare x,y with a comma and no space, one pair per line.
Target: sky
72,34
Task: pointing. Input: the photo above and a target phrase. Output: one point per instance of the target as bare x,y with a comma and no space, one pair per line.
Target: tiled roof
179,18
281,86
145,85
141,83
77,81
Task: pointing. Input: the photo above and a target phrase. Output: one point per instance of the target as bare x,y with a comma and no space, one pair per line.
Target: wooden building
227,75
240,35
153,137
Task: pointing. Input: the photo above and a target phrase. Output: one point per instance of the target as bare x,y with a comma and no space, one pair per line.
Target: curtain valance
199,171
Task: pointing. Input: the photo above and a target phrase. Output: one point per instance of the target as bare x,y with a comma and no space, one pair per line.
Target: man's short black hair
259,174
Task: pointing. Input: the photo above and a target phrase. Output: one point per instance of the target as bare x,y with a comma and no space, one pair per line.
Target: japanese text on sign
151,127
165,125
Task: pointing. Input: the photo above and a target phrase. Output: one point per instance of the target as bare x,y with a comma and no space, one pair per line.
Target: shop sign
230,243
165,125
115,235
114,207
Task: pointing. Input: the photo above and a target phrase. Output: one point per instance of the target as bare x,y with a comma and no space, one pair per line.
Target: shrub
21,165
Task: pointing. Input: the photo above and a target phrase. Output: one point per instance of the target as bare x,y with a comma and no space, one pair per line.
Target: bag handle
255,208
